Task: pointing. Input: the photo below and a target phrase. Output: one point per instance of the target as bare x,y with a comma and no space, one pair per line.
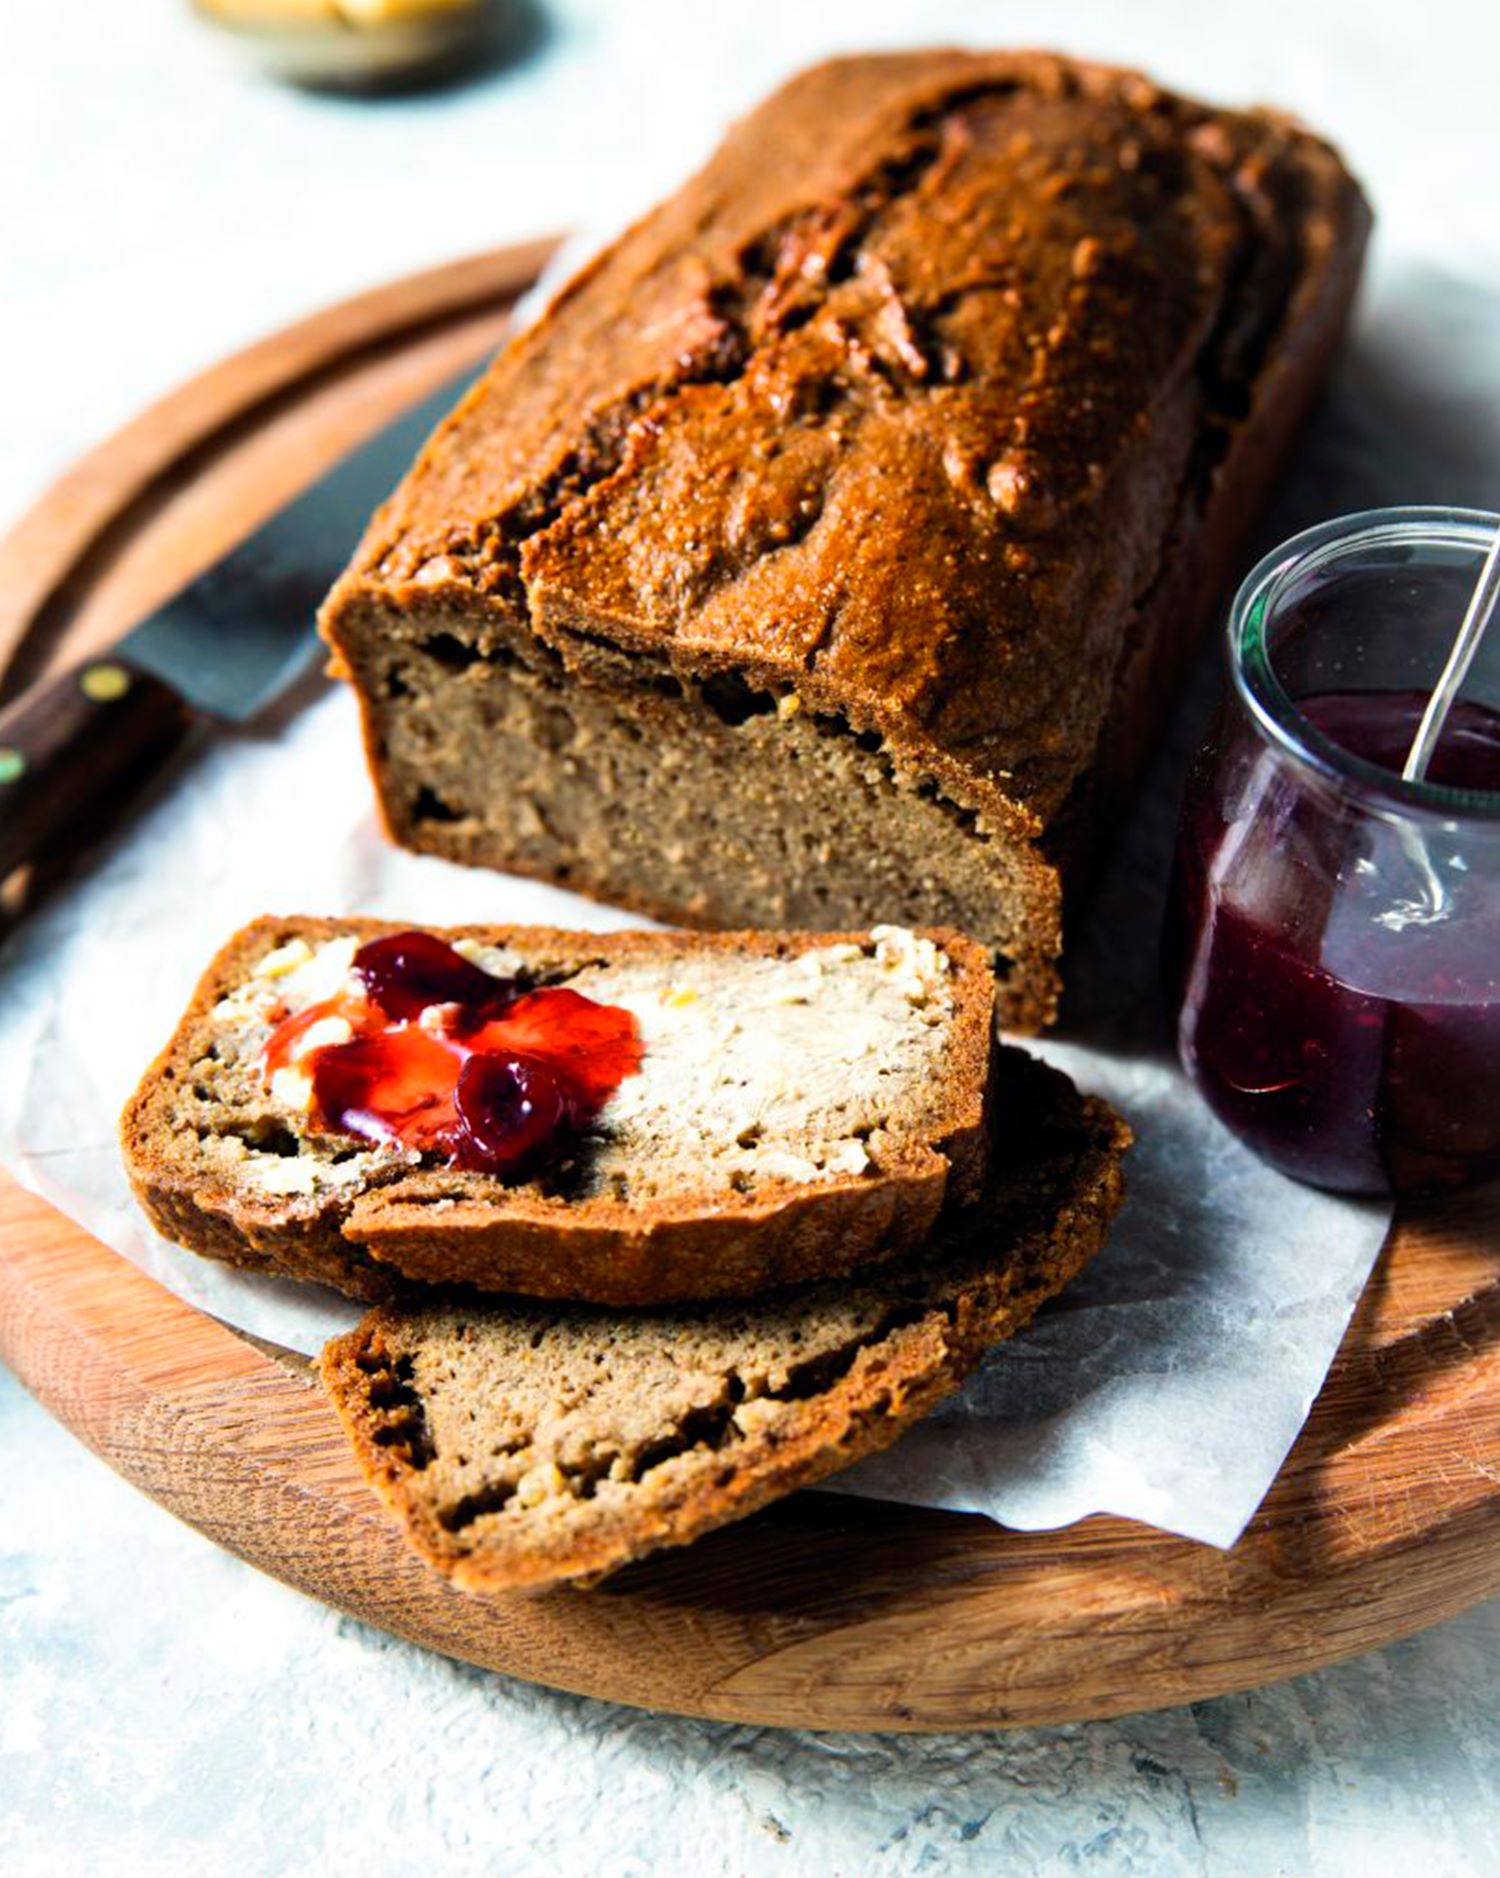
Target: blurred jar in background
355,44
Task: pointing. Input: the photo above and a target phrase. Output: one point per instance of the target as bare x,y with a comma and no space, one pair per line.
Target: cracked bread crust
209,1147
522,1447
931,414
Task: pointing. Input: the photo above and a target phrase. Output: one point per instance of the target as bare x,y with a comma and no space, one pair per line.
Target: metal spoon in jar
1433,901
1450,682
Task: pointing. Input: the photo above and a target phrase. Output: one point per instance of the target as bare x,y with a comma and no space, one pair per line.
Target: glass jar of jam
1333,935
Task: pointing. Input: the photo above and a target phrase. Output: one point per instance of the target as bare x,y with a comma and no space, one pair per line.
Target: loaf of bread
521,1445
803,1105
829,550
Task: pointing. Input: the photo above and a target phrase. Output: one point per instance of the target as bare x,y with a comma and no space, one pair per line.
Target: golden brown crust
918,1327
942,396
441,1226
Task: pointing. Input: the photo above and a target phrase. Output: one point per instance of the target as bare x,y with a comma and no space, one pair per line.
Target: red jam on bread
446,1058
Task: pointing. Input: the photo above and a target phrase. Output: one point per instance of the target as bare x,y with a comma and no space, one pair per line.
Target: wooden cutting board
824,1612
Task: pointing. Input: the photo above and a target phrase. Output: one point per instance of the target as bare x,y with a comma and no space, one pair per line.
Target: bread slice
805,1104
521,1445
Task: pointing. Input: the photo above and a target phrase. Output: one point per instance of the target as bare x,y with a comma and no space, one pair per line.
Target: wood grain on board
824,1611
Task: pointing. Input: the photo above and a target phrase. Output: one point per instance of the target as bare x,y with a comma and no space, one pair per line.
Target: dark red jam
450,1060
407,971
1350,1049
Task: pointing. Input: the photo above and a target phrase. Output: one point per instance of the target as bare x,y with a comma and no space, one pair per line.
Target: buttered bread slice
623,1118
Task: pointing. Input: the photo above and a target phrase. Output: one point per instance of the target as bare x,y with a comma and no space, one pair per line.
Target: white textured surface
164,1709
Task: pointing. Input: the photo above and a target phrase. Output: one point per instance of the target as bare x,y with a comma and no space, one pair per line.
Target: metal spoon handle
1435,717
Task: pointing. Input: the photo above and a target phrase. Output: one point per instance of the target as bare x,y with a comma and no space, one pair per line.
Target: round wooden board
824,1612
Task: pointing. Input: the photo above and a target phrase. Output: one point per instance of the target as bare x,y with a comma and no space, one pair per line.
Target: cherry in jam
513,1108
500,1084
405,972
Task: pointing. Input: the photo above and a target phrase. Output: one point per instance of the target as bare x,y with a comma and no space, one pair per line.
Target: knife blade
236,636
225,646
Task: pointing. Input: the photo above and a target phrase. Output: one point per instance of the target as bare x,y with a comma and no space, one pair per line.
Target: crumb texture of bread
522,1445
804,1103
829,551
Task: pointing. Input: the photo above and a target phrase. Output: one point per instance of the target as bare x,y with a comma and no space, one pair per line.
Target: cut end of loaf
688,796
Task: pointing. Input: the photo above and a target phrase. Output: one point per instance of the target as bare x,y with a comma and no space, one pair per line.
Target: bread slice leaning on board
523,1445
805,1104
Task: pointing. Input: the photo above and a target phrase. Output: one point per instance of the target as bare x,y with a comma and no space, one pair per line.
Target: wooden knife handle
71,749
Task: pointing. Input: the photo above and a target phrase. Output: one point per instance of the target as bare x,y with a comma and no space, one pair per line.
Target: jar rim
1271,706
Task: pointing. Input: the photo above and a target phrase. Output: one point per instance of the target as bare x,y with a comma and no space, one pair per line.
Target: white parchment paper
1166,1385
